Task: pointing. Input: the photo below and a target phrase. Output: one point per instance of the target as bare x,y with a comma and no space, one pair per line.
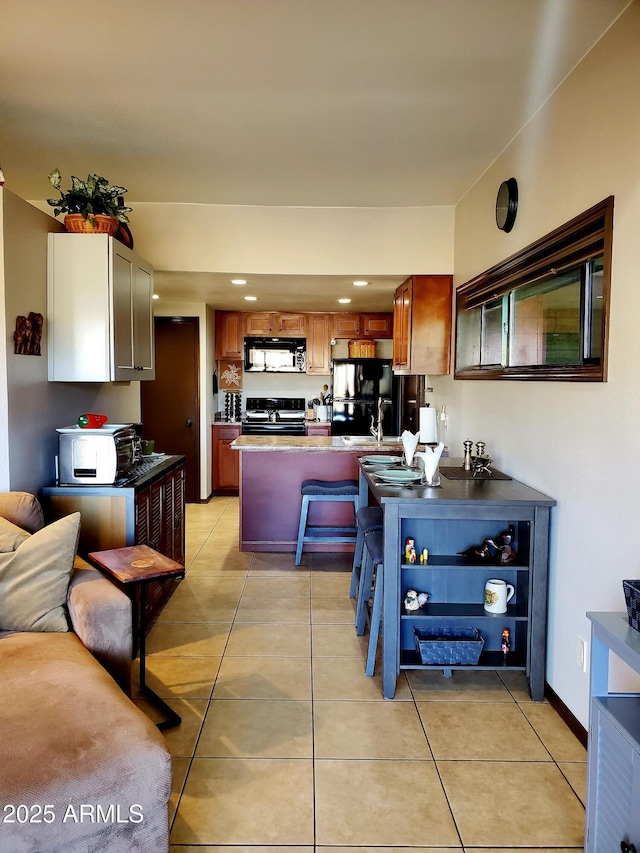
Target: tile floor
286,743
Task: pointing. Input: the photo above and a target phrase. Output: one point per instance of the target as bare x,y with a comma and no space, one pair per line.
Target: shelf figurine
414,600
424,557
506,641
410,550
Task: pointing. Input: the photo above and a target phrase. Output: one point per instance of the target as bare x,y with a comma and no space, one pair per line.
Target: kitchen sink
369,439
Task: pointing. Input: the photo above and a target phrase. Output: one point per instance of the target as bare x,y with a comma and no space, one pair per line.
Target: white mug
497,594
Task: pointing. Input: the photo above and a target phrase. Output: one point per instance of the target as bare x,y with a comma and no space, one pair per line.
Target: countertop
310,442
457,491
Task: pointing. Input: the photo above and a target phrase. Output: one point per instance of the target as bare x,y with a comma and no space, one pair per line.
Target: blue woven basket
632,597
445,645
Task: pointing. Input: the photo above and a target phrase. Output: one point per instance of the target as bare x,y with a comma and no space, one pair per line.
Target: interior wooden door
170,403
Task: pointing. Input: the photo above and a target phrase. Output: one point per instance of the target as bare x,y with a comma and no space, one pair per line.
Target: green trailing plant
89,198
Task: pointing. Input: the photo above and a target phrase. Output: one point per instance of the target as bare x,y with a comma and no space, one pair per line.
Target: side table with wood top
133,568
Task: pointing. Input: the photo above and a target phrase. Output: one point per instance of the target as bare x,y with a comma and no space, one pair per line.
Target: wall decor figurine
28,334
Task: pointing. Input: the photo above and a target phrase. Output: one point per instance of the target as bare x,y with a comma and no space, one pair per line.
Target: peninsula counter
272,469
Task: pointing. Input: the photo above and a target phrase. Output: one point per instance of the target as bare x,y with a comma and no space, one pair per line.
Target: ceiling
279,102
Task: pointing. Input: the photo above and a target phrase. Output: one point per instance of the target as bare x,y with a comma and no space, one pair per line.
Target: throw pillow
11,536
34,579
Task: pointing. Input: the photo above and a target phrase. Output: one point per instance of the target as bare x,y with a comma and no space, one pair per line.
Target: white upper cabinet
100,319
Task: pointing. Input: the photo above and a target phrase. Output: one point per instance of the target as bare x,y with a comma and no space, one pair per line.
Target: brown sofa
83,769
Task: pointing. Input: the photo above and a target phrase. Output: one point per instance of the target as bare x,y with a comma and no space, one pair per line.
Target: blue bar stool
371,584
368,519
332,491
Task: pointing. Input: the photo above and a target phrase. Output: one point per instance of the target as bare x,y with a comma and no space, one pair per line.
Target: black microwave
275,355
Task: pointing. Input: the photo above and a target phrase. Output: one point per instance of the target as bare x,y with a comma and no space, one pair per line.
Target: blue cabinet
613,794
448,520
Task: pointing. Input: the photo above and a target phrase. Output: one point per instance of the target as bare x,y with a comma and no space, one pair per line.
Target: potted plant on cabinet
91,206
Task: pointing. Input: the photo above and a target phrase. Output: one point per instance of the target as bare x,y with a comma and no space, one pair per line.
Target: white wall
33,406
574,441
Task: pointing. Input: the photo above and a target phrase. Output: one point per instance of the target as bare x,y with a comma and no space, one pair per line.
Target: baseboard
565,714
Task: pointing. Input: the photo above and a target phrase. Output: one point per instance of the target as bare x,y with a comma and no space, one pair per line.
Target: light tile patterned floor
286,743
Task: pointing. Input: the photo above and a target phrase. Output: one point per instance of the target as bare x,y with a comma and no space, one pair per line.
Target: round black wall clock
507,204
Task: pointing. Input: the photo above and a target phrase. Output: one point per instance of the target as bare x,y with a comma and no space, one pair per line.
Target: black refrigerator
357,385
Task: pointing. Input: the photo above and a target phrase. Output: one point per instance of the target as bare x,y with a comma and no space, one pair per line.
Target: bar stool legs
368,518
371,577
332,491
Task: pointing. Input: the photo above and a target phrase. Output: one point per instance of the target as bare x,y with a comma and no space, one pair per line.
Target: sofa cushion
23,509
34,579
11,536
71,737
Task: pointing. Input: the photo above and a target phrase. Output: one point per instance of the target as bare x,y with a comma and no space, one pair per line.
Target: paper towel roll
428,432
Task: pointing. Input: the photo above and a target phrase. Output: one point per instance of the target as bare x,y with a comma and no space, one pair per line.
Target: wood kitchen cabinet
258,323
100,319
150,510
319,344
229,334
345,325
274,323
376,325
226,462
422,325
362,325
294,325
318,429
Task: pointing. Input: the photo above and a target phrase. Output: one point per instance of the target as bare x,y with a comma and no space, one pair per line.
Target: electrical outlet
581,653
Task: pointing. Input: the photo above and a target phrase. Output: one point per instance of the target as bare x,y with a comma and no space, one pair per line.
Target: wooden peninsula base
271,473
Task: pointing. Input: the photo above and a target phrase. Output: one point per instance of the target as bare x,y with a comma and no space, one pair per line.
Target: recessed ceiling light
344,301
360,283
155,296
251,298
238,281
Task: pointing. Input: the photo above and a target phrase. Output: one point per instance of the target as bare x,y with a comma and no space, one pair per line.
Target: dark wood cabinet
376,325
318,344
293,325
274,323
148,511
345,325
258,323
318,429
422,325
229,327
226,462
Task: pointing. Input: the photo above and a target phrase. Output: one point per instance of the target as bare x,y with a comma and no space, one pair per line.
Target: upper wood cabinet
422,325
345,325
294,325
376,325
99,310
319,344
229,334
274,323
258,323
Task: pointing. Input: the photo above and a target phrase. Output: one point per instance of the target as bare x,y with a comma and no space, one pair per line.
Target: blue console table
447,520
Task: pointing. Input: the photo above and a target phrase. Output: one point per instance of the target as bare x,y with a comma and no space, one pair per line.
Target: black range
274,416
